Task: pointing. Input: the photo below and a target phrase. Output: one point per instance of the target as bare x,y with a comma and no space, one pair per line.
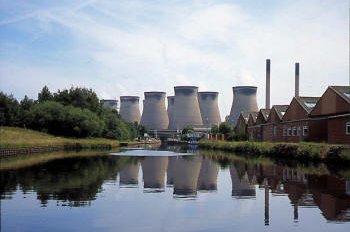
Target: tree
45,95
9,110
228,130
214,129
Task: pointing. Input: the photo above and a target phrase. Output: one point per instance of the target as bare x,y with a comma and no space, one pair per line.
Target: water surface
176,189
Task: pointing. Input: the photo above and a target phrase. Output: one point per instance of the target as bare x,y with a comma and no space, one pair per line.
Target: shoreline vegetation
316,152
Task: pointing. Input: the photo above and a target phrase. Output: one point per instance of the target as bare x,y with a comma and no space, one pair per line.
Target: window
305,131
348,128
289,133
274,130
294,131
298,131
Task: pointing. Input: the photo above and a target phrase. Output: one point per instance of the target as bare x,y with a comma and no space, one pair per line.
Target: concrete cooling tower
153,169
208,175
170,109
209,107
128,176
154,115
186,112
241,188
186,176
129,108
244,100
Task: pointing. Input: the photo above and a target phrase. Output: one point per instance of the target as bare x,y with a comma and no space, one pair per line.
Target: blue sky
128,47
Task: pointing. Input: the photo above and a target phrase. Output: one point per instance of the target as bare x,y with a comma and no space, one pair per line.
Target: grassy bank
299,151
13,137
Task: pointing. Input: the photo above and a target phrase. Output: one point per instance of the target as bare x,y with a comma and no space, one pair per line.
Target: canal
171,189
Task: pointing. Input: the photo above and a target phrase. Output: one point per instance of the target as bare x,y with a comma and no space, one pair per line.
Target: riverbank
299,151
18,141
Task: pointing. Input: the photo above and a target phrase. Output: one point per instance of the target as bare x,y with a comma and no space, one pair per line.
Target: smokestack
244,100
296,79
154,115
129,108
170,109
208,104
186,112
267,101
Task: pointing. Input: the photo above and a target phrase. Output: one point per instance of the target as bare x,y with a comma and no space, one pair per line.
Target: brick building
251,129
242,124
295,122
272,129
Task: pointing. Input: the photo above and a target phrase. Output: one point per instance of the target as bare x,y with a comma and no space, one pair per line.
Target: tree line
74,112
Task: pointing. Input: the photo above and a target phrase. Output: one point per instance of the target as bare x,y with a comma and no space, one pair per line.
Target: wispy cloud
127,47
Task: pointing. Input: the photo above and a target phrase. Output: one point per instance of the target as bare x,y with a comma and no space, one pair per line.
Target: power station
209,107
170,109
186,112
129,108
244,100
154,115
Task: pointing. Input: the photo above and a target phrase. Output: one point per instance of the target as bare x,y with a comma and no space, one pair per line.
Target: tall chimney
267,101
296,79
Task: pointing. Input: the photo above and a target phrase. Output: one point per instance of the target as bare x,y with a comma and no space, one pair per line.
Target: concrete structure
268,71
296,80
170,109
153,170
154,114
186,112
244,100
128,176
129,108
186,176
207,180
110,104
209,107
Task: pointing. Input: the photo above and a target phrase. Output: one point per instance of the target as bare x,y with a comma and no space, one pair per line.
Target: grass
13,137
300,151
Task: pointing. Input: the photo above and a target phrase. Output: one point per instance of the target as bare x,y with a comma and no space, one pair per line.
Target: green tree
228,130
9,110
45,95
214,129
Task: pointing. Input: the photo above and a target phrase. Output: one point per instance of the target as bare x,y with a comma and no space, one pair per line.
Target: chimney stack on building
267,100
296,79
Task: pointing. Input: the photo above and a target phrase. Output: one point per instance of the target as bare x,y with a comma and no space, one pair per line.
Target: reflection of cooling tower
153,169
208,175
129,108
171,170
154,115
208,104
244,100
186,108
186,175
241,187
129,175
170,109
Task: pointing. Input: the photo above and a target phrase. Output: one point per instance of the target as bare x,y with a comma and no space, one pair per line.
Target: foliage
45,95
215,129
9,110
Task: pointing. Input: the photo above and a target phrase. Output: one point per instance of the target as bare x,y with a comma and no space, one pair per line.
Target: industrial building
170,109
186,111
154,115
209,108
130,109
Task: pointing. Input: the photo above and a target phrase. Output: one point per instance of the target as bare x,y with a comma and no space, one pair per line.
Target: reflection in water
208,175
77,181
128,176
153,169
186,176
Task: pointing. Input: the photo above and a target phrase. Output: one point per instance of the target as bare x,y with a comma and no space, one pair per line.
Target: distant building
242,124
110,104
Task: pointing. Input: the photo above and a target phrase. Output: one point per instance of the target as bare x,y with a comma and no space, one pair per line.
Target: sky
129,47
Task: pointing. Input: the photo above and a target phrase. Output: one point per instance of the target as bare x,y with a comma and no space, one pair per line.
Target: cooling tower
209,107
154,114
241,187
129,175
186,176
170,109
153,169
129,108
208,175
244,100
186,112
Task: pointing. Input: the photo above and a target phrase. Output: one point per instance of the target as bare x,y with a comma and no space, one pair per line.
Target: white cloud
132,47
